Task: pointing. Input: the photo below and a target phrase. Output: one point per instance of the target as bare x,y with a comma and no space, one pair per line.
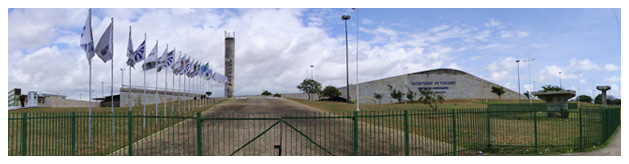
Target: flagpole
112,79
144,99
90,87
130,72
179,94
166,82
156,87
172,109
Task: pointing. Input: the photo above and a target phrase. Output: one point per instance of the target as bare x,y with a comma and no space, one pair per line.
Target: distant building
450,83
106,101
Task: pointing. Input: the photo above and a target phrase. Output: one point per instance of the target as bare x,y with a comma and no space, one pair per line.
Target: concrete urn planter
556,102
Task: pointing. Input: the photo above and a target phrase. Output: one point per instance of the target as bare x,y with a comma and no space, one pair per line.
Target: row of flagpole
184,66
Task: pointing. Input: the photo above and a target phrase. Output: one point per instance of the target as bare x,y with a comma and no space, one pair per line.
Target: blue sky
275,47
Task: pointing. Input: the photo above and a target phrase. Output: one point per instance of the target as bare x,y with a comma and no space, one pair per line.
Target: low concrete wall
57,102
137,96
299,96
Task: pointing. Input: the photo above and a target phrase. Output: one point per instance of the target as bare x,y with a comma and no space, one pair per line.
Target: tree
377,96
410,94
266,93
614,102
395,94
277,95
431,98
610,99
498,91
584,98
310,87
330,92
528,96
551,88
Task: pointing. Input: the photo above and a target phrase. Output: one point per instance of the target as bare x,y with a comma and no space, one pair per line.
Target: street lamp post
346,17
560,80
357,84
519,95
529,63
102,91
486,85
311,70
578,72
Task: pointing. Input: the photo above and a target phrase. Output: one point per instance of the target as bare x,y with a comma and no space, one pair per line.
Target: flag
130,61
167,60
162,59
105,47
138,54
177,65
87,42
151,60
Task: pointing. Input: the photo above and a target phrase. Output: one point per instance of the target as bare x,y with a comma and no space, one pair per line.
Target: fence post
454,131
406,134
488,129
580,129
535,129
355,133
24,126
199,136
73,133
130,133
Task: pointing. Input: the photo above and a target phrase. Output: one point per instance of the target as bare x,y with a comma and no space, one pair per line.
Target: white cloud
499,75
454,66
611,67
482,36
584,64
613,79
508,34
366,21
493,23
494,46
507,64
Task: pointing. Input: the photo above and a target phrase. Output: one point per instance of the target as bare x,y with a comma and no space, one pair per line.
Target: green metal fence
398,133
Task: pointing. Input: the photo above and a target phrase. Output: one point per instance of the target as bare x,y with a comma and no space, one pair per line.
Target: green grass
554,135
50,129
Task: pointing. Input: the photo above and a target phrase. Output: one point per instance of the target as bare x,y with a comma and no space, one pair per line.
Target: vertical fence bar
488,128
406,134
454,131
535,129
130,134
73,134
199,136
24,117
580,129
355,133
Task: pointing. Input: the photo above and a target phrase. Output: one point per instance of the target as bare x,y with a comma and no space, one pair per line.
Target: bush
277,95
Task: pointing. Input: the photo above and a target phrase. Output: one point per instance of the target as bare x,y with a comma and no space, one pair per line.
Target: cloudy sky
275,47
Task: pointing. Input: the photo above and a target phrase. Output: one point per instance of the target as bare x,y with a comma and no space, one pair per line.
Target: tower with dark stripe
230,46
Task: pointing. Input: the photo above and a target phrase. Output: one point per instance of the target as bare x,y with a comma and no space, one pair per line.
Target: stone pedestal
556,102
604,94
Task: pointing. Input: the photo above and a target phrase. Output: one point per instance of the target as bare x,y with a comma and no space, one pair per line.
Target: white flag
138,54
151,59
130,61
162,59
105,47
87,42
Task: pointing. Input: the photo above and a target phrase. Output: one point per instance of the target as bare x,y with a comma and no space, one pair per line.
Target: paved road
333,136
612,149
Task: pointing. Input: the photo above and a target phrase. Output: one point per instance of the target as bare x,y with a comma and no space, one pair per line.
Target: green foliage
277,95
528,96
266,93
552,88
395,94
498,91
330,92
611,100
377,96
584,98
410,94
429,97
310,87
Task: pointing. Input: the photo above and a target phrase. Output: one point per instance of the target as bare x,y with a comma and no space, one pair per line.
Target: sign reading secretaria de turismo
434,88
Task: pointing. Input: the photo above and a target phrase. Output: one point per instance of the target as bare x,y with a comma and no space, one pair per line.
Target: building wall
162,96
452,84
58,102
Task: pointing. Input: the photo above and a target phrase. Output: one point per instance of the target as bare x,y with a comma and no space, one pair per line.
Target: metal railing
366,133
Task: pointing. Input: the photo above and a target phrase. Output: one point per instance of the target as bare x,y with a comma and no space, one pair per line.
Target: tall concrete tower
230,46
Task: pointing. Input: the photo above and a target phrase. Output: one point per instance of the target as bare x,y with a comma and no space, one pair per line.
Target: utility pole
519,93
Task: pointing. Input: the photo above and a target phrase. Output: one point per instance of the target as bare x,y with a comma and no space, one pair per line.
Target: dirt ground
291,136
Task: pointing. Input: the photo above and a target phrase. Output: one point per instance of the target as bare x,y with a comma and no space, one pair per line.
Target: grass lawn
49,130
510,133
